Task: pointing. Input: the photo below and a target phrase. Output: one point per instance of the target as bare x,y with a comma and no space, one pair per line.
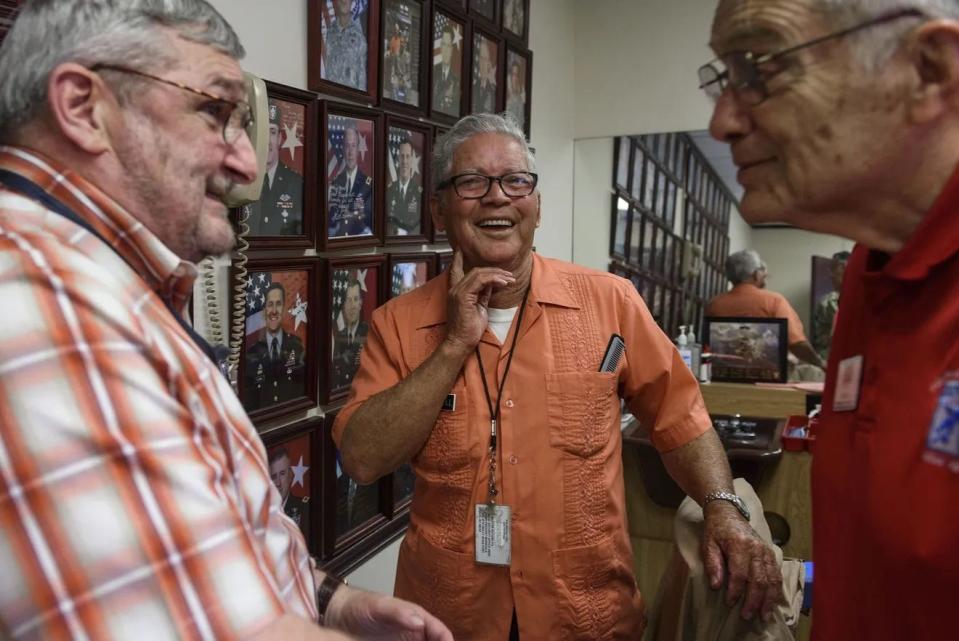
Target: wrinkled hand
730,543
378,617
468,300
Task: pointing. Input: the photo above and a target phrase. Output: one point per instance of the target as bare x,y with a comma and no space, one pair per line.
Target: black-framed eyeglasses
472,186
236,116
743,69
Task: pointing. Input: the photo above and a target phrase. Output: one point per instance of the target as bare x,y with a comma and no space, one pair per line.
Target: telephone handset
239,196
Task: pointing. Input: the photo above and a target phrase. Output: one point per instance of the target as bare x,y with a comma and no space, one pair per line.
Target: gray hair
446,145
48,33
873,46
741,266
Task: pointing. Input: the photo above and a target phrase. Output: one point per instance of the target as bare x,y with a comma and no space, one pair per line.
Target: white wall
592,202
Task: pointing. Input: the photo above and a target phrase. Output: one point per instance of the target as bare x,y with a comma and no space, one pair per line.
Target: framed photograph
342,47
484,73
409,271
515,24
519,86
407,167
747,350
352,176
484,10
358,520
285,214
448,69
404,49
443,260
620,226
278,364
291,451
354,290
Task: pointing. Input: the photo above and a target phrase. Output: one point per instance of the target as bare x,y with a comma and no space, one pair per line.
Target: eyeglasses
236,116
743,69
473,186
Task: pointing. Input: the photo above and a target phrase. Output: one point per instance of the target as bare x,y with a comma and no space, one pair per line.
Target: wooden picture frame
358,521
354,212
449,45
294,458
285,215
486,61
443,260
439,236
337,64
518,85
515,20
277,379
348,314
458,6
409,271
485,12
405,55
406,212
747,350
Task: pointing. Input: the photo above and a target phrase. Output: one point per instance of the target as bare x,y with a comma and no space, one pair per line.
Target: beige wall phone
215,286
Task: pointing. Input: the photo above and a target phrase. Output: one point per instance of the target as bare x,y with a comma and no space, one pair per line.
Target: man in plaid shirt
135,497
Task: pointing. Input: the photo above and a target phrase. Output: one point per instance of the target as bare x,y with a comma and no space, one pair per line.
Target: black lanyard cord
494,411
30,189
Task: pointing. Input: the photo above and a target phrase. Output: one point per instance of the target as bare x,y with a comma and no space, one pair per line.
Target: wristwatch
727,496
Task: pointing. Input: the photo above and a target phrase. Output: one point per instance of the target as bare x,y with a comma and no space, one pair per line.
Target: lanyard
494,409
30,189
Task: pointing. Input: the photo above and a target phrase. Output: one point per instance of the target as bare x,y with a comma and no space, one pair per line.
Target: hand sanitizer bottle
684,352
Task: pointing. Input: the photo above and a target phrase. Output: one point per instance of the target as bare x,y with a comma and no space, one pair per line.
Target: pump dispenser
684,352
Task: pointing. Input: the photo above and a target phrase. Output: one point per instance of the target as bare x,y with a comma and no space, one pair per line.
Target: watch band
324,594
722,495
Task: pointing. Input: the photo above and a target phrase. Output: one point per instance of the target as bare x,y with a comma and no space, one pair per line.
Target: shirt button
513,460
509,403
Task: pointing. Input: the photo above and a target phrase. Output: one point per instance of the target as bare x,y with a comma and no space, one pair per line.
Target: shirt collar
546,289
164,272
934,240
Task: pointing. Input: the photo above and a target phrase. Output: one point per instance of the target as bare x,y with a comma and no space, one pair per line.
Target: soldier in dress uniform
279,212
446,79
349,341
275,363
404,197
295,507
351,194
484,81
345,48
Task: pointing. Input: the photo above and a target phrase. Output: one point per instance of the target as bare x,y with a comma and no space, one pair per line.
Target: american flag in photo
256,286
393,148
336,131
341,277
439,23
327,16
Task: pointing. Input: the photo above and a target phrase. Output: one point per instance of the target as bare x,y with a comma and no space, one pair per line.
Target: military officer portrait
404,194
279,211
401,51
274,367
350,197
289,467
516,87
344,44
514,16
447,67
484,75
349,329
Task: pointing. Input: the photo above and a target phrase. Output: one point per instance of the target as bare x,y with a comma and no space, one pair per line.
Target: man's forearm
389,428
805,352
700,466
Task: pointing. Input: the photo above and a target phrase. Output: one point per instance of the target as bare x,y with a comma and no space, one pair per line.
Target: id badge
849,380
493,534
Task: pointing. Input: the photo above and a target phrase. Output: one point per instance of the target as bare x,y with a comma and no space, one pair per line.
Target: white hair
48,33
741,265
446,145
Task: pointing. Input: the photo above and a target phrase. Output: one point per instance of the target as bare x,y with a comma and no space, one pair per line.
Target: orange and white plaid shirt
135,498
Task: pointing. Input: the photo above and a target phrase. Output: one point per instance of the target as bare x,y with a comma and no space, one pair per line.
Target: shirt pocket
581,408
447,448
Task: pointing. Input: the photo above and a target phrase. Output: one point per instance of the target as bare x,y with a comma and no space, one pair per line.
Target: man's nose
730,120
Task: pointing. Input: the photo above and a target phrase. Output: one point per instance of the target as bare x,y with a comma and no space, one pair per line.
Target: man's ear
935,56
78,100
436,211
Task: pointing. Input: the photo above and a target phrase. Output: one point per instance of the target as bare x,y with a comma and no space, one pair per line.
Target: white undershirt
500,321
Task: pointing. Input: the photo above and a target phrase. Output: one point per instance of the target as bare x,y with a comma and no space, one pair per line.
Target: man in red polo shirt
843,118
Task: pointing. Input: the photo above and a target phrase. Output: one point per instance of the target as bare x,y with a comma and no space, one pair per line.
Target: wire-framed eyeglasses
516,184
743,70
236,116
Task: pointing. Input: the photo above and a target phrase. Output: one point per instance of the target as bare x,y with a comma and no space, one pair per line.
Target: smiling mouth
496,224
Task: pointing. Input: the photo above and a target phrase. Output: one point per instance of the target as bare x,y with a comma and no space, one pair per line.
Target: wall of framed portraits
343,223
